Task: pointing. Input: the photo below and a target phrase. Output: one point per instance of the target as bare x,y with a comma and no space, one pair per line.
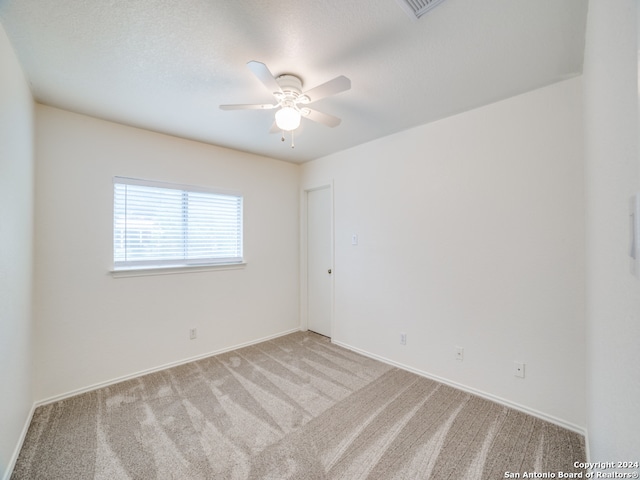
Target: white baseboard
16,451
488,396
587,450
96,386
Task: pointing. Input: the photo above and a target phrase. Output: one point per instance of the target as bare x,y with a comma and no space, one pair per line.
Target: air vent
416,8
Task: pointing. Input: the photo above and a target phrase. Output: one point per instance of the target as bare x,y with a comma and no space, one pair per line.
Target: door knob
329,271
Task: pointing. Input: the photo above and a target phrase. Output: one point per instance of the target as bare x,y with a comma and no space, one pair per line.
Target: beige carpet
297,407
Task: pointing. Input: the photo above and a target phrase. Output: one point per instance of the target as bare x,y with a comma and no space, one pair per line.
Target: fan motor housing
290,83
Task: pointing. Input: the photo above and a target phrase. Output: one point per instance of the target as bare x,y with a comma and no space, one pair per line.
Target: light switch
354,239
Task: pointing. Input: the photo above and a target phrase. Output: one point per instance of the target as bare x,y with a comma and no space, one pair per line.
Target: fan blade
337,85
324,118
263,73
267,106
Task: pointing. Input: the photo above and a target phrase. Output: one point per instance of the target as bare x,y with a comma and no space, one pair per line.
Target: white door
319,261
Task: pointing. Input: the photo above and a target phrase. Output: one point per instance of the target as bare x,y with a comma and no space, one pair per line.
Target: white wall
612,176
16,262
471,234
92,327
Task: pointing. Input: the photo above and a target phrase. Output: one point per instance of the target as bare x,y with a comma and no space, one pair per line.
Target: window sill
146,271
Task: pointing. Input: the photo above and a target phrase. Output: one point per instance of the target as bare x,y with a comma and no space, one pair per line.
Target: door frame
304,284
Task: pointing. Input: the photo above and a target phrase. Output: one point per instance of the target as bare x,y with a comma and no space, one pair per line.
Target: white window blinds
157,225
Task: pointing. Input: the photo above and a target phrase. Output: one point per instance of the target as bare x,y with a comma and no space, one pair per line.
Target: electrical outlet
518,369
459,353
403,338
193,333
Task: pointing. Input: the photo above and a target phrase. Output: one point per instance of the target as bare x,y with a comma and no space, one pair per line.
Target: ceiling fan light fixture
291,100
287,119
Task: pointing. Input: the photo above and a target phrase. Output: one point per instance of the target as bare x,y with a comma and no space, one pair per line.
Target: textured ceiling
167,66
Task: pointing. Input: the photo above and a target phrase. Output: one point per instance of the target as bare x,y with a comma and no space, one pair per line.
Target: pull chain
282,139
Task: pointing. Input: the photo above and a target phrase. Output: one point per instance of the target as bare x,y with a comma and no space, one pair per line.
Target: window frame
178,264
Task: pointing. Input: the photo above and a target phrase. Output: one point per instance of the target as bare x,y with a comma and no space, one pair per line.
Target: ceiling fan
291,101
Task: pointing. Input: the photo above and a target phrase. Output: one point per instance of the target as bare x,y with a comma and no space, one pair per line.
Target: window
163,225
